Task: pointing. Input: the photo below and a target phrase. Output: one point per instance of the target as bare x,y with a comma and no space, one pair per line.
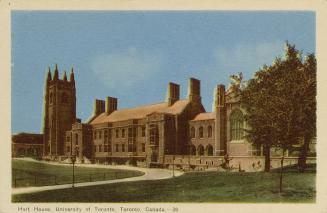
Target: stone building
176,132
27,145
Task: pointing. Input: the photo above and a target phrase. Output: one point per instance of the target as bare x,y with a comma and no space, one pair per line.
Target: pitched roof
141,112
204,116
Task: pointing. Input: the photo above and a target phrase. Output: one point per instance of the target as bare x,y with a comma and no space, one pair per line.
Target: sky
132,55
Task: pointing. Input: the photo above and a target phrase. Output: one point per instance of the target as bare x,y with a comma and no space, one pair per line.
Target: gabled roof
205,116
141,112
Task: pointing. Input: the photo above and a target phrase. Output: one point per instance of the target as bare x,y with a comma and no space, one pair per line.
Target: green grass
192,187
27,173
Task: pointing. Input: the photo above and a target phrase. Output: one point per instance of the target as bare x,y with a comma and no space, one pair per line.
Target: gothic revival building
147,134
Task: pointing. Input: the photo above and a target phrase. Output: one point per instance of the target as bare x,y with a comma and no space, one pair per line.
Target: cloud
247,58
126,67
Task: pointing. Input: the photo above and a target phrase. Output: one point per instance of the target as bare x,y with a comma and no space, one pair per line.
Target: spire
55,75
72,79
49,75
65,76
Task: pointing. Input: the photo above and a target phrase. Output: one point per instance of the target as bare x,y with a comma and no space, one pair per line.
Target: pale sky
133,55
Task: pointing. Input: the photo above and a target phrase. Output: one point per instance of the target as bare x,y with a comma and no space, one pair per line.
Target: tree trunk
303,154
281,173
267,157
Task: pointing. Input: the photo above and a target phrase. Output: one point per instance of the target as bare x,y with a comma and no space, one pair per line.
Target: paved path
149,174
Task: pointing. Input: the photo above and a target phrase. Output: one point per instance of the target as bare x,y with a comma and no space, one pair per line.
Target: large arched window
236,125
201,132
192,132
209,131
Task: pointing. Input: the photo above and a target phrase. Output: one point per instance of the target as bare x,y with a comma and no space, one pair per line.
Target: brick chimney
111,105
194,90
172,93
99,107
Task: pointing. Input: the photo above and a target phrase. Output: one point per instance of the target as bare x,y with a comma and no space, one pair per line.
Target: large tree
280,104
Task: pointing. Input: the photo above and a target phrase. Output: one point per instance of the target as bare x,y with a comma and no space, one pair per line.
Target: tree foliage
281,103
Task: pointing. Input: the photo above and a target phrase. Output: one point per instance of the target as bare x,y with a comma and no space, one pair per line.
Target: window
105,148
117,133
236,125
68,149
200,150
95,134
100,148
105,134
209,131
64,98
209,150
154,134
143,147
201,132
192,150
123,133
192,132
143,131
67,138
95,148
100,134
123,147
51,98
117,148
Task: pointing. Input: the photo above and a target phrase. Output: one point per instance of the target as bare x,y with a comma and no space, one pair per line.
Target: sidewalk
149,174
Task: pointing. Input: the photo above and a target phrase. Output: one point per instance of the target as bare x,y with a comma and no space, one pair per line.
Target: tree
309,72
277,106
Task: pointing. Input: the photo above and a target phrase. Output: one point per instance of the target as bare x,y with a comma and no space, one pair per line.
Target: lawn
192,187
28,173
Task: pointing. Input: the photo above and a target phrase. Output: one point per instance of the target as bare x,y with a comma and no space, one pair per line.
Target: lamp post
74,160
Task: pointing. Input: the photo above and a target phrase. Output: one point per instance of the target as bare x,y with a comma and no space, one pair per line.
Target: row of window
236,127
201,132
107,148
200,150
131,132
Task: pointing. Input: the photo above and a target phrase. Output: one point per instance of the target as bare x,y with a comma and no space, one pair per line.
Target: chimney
194,90
219,97
111,105
172,93
99,106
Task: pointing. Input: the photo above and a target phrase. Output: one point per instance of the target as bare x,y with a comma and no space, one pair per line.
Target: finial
65,76
72,79
49,74
55,75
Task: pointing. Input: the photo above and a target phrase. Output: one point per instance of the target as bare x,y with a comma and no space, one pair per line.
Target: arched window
201,132
200,150
209,150
192,132
236,125
209,131
192,150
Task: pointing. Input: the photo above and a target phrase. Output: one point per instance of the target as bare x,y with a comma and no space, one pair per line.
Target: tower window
64,98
